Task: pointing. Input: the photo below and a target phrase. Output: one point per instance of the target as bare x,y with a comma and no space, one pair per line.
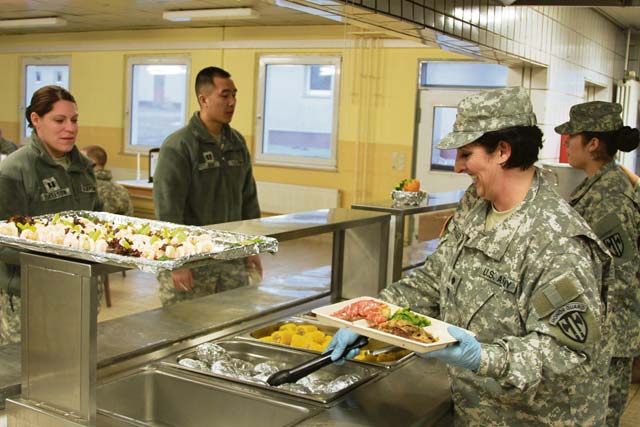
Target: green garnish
144,229
125,244
23,227
154,239
164,258
56,218
95,234
400,185
411,317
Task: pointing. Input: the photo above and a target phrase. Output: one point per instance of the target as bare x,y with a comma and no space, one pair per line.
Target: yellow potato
300,341
304,329
288,327
282,337
267,339
316,336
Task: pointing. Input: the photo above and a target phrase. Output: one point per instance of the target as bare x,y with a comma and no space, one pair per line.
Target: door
434,168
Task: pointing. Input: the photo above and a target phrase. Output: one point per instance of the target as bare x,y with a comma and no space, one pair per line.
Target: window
298,111
463,74
156,100
449,82
39,72
443,120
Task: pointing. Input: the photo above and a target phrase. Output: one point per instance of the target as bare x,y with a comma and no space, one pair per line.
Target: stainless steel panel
257,352
59,334
364,269
156,398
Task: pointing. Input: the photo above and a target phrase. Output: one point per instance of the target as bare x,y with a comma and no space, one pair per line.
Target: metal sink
151,397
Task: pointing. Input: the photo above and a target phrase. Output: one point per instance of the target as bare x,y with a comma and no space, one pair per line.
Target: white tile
539,78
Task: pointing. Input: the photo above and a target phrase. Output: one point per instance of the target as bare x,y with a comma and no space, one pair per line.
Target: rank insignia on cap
570,320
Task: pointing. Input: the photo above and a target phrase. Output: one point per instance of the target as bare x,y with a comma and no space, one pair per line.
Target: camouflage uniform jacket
201,179
114,197
32,183
611,206
532,291
7,147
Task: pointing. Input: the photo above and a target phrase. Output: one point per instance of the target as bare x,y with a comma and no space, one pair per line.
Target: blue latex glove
339,343
464,354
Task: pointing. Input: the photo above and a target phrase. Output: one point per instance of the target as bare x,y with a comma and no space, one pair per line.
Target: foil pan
252,363
233,245
408,198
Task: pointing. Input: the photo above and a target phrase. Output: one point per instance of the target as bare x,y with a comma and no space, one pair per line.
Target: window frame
24,102
261,158
128,147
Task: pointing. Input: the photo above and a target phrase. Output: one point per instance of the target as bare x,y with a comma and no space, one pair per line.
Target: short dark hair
206,75
525,142
97,154
624,139
43,99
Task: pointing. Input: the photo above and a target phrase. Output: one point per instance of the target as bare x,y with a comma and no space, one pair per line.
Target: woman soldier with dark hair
49,175
610,205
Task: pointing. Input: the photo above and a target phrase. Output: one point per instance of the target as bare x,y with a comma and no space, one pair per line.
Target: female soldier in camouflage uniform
48,175
612,208
519,268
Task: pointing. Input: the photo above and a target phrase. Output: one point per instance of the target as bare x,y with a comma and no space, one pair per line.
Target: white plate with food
387,322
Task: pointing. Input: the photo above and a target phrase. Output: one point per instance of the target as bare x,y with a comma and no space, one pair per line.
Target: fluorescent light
210,14
309,10
32,22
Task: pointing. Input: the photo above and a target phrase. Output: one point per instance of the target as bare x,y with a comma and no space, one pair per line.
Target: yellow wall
377,98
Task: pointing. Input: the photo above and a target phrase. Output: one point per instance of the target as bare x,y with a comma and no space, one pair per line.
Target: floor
137,291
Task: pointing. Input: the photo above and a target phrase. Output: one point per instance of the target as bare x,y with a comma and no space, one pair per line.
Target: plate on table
437,328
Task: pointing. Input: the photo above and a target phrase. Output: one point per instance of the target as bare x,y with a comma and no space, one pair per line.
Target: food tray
437,328
256,352
234,245
267,330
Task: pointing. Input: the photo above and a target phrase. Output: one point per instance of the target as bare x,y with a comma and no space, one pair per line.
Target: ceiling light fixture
210,14
32,22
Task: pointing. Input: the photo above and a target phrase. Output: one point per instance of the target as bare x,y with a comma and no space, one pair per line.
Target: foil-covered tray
306,333
224,245
252,363
408,198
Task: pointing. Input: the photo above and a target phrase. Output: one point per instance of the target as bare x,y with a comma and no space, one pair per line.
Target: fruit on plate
412,185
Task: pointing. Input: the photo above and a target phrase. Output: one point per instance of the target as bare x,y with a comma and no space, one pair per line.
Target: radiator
278,198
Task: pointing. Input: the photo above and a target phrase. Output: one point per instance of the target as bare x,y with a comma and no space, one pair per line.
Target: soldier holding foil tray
203,177
523,271
48,175
612,208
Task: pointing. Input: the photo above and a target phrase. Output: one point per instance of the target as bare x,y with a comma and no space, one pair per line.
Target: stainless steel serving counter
434,202
416,392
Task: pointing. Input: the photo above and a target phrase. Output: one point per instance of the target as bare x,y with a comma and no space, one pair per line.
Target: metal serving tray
257,352
267,330
236,245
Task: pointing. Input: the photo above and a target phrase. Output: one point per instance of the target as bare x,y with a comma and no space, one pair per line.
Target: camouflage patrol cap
489,111
595,116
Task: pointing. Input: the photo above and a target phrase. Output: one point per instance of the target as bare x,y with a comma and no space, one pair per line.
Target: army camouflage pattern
611,207
7,147
10,306
595,116
32,183
539,323
488,111
620,371
201,179
208,279
114,197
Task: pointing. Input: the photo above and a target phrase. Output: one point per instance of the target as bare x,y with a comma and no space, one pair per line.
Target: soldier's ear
593,145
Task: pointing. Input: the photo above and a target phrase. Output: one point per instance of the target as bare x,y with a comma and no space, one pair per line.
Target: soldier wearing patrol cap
612,208
523,271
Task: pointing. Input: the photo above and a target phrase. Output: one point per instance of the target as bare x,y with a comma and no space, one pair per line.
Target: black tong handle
304,369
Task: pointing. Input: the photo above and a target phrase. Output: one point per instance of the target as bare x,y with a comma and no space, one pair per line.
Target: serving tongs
294,374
